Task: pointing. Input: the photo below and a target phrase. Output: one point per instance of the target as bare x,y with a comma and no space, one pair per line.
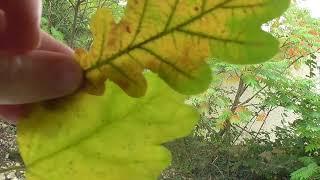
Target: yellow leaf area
262,117
232,79
173,38
235,118
112,137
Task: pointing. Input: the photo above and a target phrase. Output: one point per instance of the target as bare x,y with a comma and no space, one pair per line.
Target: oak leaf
113,137
173,38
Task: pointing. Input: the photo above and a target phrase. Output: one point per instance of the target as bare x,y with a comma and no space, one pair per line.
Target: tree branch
264,121
241,89
265,86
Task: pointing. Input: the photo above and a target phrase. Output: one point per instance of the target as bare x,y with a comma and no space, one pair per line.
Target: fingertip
38,76
3,21
13,113
61,74
68,75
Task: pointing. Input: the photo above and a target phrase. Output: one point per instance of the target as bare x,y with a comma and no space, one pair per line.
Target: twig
265,86
264,122
253,96
213,163
241,89
243,129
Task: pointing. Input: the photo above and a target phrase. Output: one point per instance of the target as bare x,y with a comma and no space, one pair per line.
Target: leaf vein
90,134
119,70
244,6
145,5
174,8
163,60
210,37
158,36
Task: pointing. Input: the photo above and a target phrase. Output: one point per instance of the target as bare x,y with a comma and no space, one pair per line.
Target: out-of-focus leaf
112,137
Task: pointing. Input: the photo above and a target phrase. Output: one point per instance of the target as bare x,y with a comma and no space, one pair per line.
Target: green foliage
310,171
52,30
263,158
243,96
71,19
80,137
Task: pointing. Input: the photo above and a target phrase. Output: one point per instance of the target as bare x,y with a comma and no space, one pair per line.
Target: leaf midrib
158,36
97,130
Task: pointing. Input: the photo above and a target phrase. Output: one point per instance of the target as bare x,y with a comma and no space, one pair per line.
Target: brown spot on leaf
128,29
112,42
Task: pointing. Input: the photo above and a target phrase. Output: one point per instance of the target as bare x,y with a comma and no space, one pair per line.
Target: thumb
3,21
22,31
13,113
37,76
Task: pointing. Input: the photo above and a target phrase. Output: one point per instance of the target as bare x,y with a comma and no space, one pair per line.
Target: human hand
33,66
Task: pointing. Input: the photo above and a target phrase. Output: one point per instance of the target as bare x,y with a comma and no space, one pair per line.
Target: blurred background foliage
232,140
68,20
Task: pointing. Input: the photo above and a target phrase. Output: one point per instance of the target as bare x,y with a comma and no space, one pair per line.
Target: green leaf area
114,137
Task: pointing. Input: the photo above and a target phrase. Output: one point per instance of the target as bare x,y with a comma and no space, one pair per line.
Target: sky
313,6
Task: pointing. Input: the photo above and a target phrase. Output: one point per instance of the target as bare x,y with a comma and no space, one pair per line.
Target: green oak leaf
112,137
173,38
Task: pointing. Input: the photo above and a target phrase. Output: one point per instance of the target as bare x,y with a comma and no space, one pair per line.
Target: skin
33,66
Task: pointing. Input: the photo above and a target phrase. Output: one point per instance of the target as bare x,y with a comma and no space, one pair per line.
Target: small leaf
297,65
173,38
305,173
112,137
313,56
232,79
235,119
262,117
240,109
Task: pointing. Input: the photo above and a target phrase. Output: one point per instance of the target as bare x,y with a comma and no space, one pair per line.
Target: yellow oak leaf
173,38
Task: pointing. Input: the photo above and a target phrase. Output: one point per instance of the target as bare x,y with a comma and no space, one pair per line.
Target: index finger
22,30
